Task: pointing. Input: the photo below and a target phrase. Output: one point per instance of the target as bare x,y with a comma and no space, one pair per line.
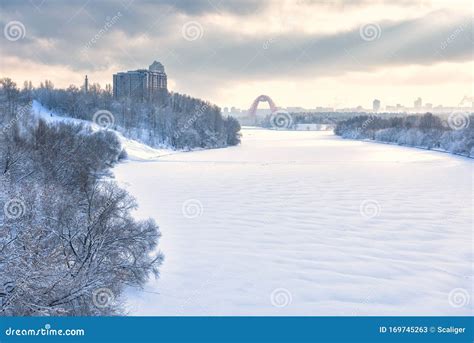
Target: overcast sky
300,52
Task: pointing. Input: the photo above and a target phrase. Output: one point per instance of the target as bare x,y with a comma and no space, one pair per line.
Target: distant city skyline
466,103
301,53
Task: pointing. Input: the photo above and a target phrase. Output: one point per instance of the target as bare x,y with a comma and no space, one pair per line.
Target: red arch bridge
253,109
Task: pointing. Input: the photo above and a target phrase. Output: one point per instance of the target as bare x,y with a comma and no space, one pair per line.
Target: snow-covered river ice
306,223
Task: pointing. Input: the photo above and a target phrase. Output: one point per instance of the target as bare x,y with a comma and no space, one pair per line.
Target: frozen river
306,223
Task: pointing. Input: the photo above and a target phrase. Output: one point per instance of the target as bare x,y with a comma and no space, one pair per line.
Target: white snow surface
136,151
306,223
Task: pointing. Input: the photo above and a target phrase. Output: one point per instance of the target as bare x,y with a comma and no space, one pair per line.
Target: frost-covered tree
174,120
427,131
68,242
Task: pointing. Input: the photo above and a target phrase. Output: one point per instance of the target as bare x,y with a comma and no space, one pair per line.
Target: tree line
68,242
177,121
453,133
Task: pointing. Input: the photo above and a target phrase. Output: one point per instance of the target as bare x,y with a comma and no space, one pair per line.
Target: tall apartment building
417,104
141,84
376,105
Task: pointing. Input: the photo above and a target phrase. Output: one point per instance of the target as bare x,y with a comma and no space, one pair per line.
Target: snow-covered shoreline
409,146
301,223
136,151
306,223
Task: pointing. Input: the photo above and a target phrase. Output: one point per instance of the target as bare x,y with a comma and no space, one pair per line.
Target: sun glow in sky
301,53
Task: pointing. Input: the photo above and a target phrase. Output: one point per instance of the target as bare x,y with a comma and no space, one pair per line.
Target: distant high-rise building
429,106
418,103
141,84
86,85
467,100
376,105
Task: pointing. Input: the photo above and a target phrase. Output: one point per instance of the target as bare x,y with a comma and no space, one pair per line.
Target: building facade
376,105
141,84
417,104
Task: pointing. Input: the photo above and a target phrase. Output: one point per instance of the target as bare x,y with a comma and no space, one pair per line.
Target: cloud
87,37
409,42
197,7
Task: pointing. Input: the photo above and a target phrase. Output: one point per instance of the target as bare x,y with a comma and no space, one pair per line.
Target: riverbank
306,223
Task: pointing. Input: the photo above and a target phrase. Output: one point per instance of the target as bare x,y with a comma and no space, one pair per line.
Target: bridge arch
253,109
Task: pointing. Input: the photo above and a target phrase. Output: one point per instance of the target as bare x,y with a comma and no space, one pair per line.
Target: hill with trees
68,242
177,121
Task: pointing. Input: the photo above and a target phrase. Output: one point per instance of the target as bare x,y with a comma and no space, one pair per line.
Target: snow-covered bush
173,120
68,242
427,131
